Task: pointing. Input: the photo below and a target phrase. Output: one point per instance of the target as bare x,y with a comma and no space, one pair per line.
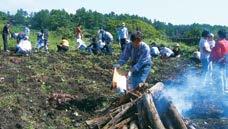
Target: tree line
64,23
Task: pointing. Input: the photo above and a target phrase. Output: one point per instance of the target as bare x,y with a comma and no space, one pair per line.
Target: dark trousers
5,41
107,49
62,48
46,44
123,43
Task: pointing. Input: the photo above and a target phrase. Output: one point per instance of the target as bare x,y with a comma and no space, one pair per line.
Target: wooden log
174,115
157,88
125,127
153,90
97,122
122,123
167,122
117,118
113,116
152,113
141,114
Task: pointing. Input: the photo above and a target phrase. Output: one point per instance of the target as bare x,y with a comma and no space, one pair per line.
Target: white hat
26,37
211,35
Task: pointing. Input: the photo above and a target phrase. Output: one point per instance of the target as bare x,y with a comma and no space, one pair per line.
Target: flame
119,82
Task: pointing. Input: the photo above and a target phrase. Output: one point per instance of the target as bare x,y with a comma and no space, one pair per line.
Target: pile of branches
150,109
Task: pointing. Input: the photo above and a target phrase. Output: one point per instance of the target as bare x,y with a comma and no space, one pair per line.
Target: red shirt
219,51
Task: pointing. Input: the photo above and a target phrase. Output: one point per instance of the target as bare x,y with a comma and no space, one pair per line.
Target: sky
213,12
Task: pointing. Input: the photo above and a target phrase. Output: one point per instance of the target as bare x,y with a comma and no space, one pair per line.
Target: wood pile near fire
141,109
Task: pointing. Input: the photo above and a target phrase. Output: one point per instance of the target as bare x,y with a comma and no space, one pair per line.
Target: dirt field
26,84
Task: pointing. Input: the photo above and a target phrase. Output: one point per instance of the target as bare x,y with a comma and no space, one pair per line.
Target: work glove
116,66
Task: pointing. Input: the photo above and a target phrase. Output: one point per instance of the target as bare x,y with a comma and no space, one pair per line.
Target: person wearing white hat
123,36
211,40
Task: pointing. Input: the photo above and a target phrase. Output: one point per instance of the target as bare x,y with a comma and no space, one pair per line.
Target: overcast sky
214,12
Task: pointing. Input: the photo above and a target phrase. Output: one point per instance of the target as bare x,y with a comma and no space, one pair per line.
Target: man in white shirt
205,51
123,35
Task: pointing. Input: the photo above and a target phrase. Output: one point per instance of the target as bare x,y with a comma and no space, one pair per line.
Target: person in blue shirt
140,60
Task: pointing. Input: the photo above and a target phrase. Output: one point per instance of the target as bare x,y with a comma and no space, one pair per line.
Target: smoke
198,96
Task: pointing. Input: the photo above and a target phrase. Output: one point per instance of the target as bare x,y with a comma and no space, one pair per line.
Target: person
154,51
78,32
99,35
219,57
46,35
27,31
123,35
176,50
40,40
108,39
165,52
24,47
204,51
139,53
94,47
63,46
211,40
20,36
81,45
5,34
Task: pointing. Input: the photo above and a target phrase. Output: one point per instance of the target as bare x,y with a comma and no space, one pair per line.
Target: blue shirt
139,56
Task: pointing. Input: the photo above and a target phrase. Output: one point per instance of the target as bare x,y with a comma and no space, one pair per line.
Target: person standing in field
219,57
211,42
123,35
78,32
27,31
5,34
205,51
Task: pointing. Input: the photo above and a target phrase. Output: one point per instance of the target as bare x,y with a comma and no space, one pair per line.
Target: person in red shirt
220,50
219,58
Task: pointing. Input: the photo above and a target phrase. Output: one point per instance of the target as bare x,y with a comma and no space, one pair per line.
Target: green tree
41,19
21,17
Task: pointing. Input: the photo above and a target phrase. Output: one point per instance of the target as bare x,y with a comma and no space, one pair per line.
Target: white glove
116,65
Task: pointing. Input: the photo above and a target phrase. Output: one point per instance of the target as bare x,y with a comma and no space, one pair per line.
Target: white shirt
123,33
167,52
154,51
24,46
211,43
203,44
80,43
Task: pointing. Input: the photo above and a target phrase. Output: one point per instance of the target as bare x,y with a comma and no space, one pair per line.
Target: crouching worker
63,46
139,53
24,47
94,47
